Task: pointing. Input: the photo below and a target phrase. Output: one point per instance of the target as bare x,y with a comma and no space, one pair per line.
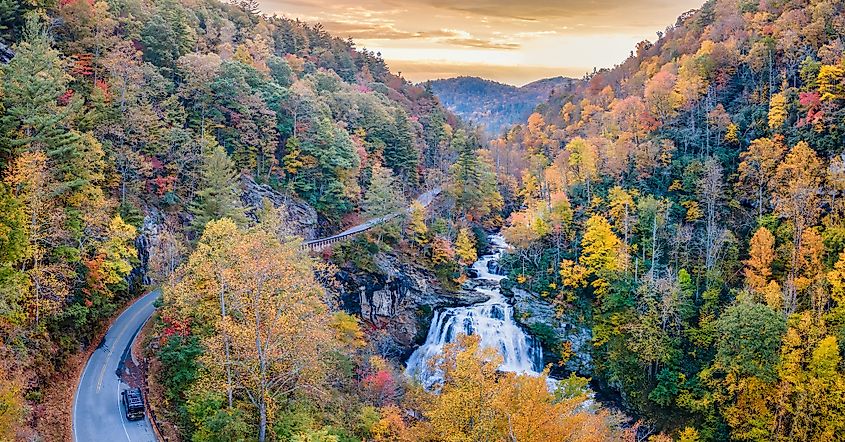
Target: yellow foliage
476,402
602,253
694,212
465,246
758,267
777,111
732,137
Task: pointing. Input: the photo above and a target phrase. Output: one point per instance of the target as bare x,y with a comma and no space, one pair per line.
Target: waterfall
491,320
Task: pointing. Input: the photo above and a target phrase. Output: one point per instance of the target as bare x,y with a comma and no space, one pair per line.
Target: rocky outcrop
398,300
534,312
139,278
301,217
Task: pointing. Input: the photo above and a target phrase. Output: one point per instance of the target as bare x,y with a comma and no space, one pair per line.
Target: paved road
97,412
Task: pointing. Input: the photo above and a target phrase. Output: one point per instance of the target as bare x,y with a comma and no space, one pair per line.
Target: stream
491,320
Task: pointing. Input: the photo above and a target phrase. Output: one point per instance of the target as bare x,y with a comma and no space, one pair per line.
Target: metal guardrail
321,243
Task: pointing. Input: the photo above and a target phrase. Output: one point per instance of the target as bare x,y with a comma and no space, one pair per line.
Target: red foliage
104,88
380,387
65,98
163,185
156,163
173,326
82,65
94,276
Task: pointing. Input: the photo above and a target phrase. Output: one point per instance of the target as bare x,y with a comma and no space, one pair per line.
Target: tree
37,106
744,370
601,253
812,385
417,228
383,198
777,112
465,246
477,403
582,163
219,196
710,189
758,267
472,182
32,183
795,193
275,336
757,170
622,212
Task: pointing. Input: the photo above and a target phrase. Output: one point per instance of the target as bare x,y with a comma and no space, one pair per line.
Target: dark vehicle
133,403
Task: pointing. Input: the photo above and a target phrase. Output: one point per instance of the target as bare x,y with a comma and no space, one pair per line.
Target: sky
511,41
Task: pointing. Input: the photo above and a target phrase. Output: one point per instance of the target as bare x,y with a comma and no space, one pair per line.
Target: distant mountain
494,105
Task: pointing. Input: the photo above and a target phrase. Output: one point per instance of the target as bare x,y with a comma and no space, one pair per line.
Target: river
491,320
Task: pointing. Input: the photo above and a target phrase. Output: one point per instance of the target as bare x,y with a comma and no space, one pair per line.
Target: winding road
97,412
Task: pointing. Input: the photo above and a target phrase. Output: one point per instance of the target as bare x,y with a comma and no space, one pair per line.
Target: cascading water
491,320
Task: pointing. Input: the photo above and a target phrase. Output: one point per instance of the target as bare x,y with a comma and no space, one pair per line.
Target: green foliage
219,196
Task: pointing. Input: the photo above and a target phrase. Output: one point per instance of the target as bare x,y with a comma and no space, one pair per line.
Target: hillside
493,105
686,208
124,130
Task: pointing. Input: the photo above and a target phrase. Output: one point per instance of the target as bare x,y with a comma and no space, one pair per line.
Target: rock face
301,217
398,300
532,310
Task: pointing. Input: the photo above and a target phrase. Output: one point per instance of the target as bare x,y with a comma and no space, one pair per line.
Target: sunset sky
512,41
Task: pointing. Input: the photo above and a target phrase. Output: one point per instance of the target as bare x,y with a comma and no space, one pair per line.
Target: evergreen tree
472,181
219,196
38,103
383,198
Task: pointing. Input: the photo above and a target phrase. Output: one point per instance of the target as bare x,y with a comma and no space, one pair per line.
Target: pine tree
38,104
383,198
219,196
472,181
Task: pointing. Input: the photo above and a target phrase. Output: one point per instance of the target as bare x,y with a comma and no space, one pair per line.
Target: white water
491,320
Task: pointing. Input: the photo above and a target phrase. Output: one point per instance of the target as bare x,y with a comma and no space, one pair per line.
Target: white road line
120,412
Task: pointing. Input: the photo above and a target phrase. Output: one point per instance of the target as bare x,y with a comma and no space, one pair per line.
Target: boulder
302,219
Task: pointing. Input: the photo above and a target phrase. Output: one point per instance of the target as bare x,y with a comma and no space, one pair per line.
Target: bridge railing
321,243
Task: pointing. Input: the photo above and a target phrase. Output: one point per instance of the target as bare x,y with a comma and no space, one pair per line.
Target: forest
686,207
683,213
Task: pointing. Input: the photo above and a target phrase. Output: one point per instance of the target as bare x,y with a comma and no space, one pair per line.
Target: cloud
481,43
612,12
389,31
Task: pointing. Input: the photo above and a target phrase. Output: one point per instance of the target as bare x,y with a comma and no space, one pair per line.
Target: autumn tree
477,403
758,267
812,385
601,253
417,228
465,246
795,191
745,367
274,336
757,170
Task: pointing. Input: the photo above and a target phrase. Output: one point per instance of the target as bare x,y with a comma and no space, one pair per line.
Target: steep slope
127,124
686,205
494,105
